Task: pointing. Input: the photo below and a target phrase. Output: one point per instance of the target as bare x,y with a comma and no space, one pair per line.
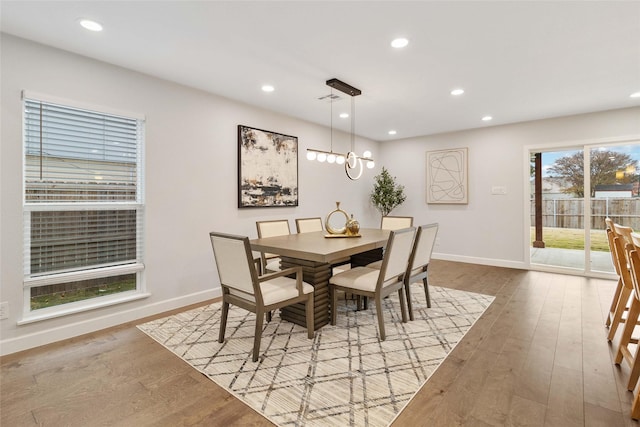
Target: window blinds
74,155
83,199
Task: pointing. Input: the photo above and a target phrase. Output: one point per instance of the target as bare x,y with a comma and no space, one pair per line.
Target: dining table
317,252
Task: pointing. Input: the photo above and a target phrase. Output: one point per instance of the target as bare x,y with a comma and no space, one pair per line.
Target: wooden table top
315,247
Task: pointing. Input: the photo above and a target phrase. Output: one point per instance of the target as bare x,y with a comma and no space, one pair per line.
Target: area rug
345,376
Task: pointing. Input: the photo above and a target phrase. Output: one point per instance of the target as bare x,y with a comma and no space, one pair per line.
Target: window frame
87,272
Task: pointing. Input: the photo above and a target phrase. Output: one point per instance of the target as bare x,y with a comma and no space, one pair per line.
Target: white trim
27,341
85,274
77,206
71,308
35,96
482,261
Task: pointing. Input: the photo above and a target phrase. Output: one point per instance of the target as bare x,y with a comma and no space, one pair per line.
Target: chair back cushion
234,261
396,222
396,255
279,227
423,247
308,225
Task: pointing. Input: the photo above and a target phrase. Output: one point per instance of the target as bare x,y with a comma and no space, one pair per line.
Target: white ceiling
517,61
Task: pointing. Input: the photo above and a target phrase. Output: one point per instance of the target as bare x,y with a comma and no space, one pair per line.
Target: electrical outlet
4,310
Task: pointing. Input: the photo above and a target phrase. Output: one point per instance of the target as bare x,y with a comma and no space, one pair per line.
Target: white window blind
83,200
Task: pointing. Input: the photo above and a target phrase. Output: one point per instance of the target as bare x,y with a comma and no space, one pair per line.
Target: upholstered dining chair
418,264
277,227
242,287
396,222
417,268
625,352
377,284
307,225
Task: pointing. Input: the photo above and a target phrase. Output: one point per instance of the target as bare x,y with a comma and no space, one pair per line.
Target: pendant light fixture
353,164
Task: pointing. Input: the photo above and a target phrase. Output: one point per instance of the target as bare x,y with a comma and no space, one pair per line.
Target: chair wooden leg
258,335
635,409
407,290
619,311
309,312
403,306
223,320
629,326
425,281
380,315
635,370
334,304
614,302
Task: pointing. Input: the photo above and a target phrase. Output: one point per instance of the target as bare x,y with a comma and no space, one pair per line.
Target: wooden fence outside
569,213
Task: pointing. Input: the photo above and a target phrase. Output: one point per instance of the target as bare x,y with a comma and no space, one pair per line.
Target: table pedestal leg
316,274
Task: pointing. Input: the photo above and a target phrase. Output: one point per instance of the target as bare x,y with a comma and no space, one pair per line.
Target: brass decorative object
327,222
353,227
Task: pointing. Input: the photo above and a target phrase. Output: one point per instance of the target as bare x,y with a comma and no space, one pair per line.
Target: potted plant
386,194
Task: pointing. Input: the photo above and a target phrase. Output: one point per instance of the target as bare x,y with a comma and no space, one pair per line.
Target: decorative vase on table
333,229
353,227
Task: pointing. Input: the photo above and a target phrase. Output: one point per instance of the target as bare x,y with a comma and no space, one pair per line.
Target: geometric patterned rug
345,376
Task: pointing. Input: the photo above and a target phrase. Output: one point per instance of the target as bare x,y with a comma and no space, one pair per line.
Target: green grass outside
572,238
59,298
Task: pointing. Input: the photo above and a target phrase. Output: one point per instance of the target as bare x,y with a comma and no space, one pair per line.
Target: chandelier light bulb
340,159
311,155
322,157
331,158
370,164
367,154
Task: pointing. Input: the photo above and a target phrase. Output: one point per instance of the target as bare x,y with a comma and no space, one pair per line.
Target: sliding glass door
568,207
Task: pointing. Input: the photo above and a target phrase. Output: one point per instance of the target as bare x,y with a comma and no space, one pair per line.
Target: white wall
191,176
490,229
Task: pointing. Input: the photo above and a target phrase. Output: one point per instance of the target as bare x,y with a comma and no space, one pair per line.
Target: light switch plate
499,190
4,310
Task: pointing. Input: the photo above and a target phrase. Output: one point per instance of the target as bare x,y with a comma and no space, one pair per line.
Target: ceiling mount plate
343,87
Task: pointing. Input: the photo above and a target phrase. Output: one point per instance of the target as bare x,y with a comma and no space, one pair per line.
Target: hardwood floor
537,357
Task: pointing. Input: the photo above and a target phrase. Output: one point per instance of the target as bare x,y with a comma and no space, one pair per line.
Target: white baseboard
482,261
48,336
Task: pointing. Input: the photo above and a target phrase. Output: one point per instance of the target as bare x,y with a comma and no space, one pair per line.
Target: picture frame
267,168
447,176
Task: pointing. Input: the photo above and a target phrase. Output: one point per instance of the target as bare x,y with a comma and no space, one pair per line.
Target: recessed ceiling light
90,25
392,132
635,95
344,115
399,42
487,118
268,88
457,92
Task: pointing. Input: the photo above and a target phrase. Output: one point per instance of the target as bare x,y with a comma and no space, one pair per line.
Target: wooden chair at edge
628,349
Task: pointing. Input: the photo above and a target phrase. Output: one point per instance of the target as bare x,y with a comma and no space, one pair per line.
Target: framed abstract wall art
447,176
267,168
